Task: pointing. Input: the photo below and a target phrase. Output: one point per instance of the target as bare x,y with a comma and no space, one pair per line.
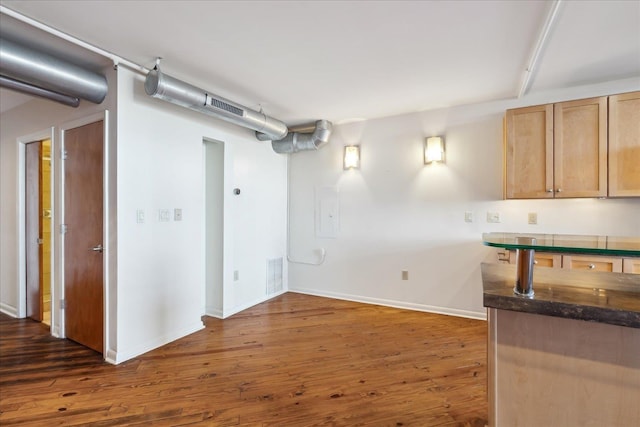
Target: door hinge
63,304
63,228
63,154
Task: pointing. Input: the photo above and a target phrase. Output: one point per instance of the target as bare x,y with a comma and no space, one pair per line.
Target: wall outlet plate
533,218
493,217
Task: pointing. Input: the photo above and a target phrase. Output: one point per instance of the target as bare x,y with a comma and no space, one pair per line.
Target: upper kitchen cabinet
580,148
529,152
624,145
583,148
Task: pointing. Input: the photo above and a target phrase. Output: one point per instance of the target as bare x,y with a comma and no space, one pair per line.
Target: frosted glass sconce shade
433,150
351,157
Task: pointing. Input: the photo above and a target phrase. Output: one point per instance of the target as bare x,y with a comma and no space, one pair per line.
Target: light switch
468,216
177,214
140,216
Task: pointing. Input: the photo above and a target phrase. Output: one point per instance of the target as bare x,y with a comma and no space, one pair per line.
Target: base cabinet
549,371
577,262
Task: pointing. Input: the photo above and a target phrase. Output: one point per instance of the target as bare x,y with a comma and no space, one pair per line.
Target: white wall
156,286
161,270
397,214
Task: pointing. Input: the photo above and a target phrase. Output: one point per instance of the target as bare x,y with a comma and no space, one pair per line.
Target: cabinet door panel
631,265
624,145
529,152
580,148
593,263
547,260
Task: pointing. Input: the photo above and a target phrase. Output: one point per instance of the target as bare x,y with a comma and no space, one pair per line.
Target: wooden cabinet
592,263
584,148
546,259
624,145
631,265
529,152
576,262
580,148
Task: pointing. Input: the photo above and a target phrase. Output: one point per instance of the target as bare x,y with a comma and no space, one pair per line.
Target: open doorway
38,217
214,226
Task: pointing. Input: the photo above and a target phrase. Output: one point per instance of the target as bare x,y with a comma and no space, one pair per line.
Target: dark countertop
612,298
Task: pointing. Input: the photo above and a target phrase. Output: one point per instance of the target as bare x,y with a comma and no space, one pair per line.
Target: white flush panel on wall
327,212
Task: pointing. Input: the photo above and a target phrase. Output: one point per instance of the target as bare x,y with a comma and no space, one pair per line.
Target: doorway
83,235
214,227
38,216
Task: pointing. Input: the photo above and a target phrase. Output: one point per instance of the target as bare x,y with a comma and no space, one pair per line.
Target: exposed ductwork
160,85
297,141
28,89
43,73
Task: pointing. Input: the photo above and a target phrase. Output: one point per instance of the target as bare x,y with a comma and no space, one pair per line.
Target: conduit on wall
37,73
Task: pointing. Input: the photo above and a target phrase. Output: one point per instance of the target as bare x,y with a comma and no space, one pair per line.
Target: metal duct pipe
160,85
38,91
296,141
45,71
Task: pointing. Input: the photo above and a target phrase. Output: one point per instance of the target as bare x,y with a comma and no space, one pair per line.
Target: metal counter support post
524,268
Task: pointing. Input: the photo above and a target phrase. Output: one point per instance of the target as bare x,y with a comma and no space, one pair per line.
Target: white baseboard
116,357
239,308
395,304
213,312
8,309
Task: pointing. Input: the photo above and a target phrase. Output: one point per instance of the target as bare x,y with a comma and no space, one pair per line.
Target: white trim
115,357
20,309
395,304
8,309
239,308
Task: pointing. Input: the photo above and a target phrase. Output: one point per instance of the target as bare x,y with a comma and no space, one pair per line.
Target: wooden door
624,145
529,153
83,239
33,231
580,148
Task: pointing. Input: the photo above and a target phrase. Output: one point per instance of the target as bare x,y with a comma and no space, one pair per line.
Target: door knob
97,248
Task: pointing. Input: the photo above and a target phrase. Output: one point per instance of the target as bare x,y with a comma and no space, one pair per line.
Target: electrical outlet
493,217
177,214
468,216
405,274
533,218
236,275
163,215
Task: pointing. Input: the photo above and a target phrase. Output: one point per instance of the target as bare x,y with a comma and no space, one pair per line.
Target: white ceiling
348,60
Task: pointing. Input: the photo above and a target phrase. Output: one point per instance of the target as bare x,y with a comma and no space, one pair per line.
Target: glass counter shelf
526,244
566,243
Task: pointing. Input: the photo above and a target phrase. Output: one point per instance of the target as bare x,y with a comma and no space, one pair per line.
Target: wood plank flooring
296,360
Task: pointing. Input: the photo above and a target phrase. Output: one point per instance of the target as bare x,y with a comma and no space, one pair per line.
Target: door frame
107,240
22,224
56,135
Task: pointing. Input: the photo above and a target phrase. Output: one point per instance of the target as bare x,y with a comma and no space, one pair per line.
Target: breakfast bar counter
569,354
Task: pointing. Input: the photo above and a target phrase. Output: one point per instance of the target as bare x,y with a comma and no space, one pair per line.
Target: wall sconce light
351,158
434,150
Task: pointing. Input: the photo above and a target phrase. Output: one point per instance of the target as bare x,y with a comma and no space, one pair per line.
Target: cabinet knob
559,190
592,266
535,262
549,190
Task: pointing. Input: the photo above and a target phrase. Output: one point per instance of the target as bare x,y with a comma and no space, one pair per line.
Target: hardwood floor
296,360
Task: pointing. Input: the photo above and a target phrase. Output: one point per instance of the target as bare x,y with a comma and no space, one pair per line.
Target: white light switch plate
493,217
